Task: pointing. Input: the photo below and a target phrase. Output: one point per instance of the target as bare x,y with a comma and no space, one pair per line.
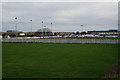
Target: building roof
103,31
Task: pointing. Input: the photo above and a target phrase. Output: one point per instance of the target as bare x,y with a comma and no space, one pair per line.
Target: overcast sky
65,16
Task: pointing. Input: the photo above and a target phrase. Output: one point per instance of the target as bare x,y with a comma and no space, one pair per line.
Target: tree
77,32
83,32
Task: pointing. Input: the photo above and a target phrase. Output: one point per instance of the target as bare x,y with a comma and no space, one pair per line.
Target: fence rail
104,41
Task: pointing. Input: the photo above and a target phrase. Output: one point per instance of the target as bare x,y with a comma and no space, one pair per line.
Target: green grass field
50,60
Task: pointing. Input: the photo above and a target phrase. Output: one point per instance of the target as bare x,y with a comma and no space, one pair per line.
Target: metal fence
104,41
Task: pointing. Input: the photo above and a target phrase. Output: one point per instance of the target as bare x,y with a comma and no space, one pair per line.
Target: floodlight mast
45,30
42,28
16,25
51,26
31,26
82,28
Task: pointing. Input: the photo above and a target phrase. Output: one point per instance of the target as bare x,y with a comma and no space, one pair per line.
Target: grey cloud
64,15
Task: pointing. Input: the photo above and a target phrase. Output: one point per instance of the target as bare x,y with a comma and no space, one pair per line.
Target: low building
106,33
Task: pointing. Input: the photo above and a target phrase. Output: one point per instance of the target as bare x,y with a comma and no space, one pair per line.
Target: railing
102,41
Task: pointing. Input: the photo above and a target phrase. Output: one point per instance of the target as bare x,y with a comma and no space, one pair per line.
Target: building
106,33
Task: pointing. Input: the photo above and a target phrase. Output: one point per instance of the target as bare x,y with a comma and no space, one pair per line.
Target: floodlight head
15,17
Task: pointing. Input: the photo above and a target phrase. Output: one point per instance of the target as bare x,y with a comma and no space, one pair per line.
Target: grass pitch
50,60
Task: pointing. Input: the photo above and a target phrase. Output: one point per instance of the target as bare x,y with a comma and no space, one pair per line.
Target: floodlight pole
42,27
51,26
45,30
82,27
31,26
16,25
